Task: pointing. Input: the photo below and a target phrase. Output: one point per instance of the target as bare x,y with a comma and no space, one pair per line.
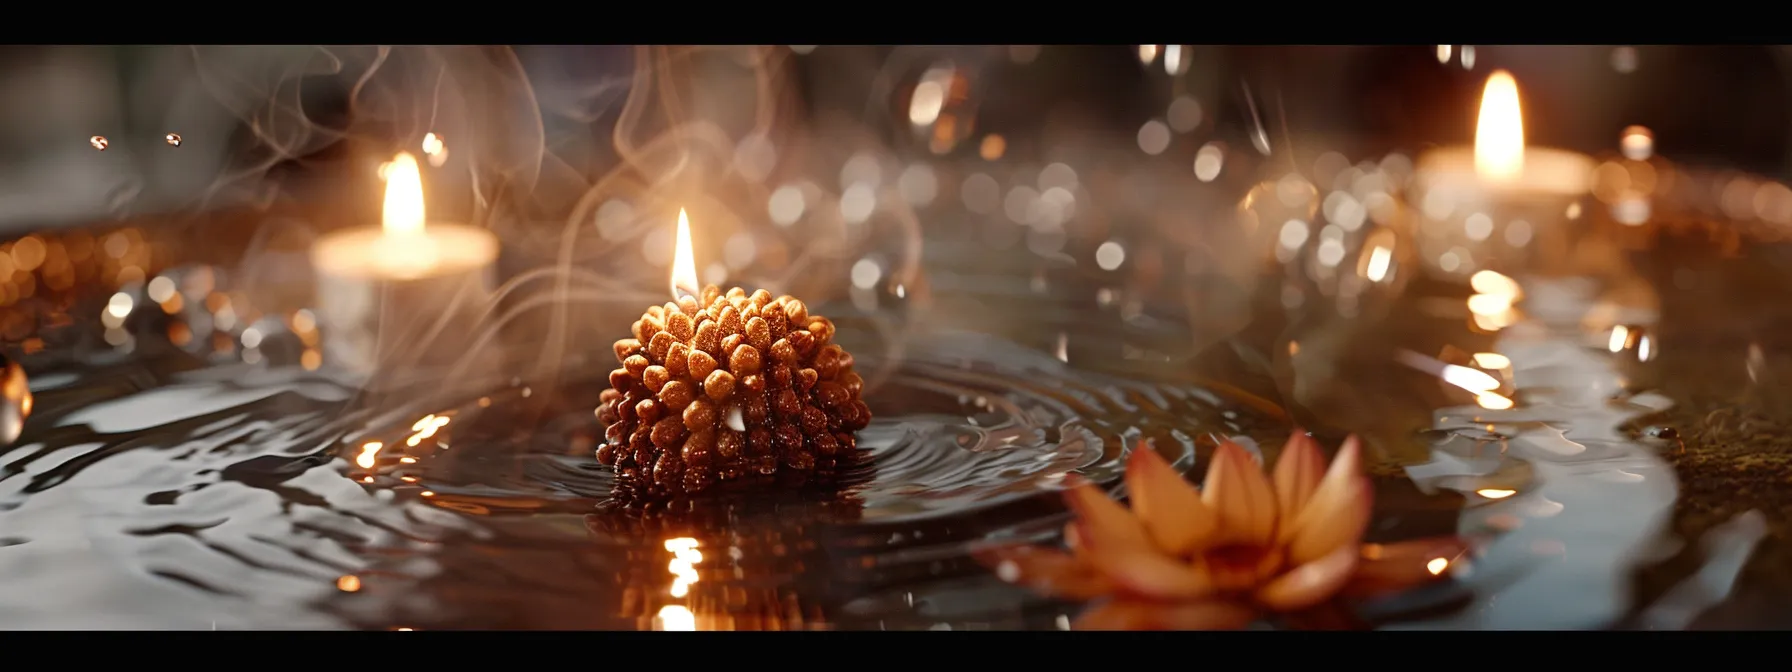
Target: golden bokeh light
426,427
993,147
369,456
1437,565
1493,401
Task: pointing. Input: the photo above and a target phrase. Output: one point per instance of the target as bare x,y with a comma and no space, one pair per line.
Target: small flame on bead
684,265
99,142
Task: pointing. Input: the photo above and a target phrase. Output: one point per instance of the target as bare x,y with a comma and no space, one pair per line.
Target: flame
1496,493
1437,566
1499,130
684,266
403,212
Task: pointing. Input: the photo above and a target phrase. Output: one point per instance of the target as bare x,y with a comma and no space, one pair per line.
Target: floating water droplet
99,142
15,401
173,139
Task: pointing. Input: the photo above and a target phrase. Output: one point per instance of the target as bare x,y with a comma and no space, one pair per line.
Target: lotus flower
1220,557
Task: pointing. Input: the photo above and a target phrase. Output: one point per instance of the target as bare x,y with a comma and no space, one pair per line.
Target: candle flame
684,266
403,212
1499,130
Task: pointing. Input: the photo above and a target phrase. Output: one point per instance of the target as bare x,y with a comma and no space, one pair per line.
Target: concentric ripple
252,498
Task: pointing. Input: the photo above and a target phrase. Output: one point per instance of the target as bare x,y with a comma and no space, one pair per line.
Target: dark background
1723,105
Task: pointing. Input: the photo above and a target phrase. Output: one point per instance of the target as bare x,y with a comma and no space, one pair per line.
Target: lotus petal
1103,521
1146,573
1130,615
1296,476
1047,571
1170,507
1338,512
1390,568
1311,583
1240,497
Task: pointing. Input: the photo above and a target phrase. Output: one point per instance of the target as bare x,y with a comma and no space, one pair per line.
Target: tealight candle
380,290
728,387
1482,205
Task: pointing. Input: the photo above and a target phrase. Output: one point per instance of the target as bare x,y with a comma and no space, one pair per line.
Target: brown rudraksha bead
729,387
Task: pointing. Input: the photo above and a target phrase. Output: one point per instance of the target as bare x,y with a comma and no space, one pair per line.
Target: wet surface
192,475
175,486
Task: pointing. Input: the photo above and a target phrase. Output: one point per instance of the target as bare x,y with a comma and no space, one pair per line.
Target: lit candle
728,388
1484,204
381,290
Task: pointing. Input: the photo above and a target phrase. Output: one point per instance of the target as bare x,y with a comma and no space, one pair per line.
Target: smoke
578,158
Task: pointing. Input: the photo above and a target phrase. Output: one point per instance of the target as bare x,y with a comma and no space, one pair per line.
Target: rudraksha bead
729,386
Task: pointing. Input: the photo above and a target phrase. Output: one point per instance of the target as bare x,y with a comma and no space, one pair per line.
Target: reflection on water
1561,452
170,487
163,494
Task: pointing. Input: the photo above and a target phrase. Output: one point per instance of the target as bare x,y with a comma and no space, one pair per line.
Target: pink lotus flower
1220,557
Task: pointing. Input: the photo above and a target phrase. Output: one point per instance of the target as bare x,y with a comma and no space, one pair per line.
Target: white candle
383,291
1483,205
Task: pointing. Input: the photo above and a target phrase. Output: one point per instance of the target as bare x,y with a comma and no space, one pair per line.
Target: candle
1484,205
728,389
383,291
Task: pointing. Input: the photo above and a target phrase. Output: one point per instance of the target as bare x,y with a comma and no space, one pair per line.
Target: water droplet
15,401
173,139
99,142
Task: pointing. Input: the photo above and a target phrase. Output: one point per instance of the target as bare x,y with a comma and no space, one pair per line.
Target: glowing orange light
1437,565
1493,401
369,454
1492,360
675,618
1499,130
348,583
425,428
1493,282
684,556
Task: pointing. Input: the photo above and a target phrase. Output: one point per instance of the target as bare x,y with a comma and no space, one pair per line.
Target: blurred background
258,124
